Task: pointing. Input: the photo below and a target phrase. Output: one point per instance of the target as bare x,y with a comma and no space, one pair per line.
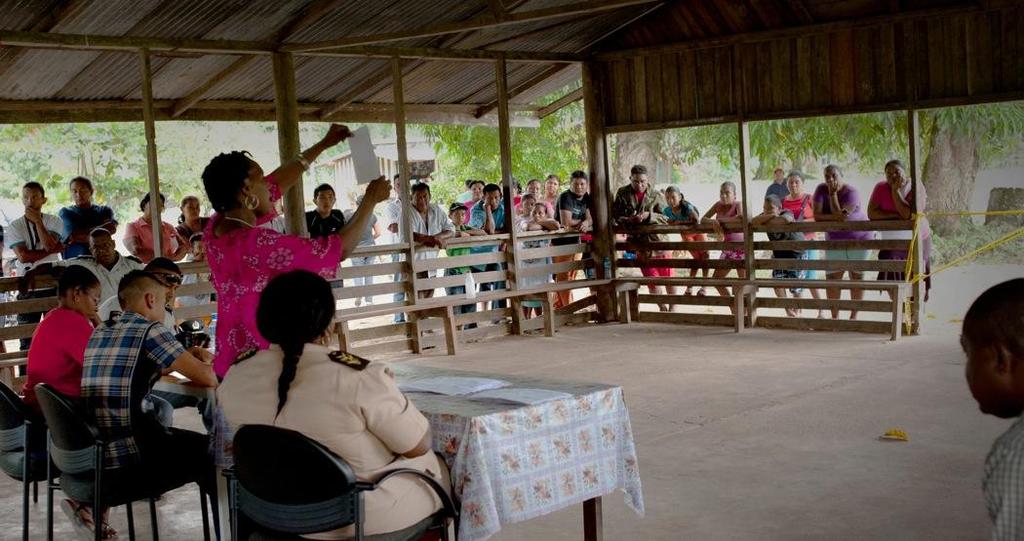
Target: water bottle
212,331
607,267
470,285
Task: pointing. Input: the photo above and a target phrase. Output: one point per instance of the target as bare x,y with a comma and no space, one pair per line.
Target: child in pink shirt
58,344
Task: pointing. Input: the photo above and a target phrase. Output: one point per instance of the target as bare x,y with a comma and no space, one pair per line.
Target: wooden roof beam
543,76
132,44
309,15
479,23
436,53
551,108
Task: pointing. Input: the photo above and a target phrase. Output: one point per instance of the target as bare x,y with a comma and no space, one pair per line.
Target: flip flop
81,519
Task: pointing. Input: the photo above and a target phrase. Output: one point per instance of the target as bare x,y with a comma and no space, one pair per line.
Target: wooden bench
627,290
897,291
444,308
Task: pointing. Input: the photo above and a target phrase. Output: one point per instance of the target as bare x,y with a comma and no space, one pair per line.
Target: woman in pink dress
243,256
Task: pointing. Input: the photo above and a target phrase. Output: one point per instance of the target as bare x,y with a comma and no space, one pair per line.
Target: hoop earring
251,202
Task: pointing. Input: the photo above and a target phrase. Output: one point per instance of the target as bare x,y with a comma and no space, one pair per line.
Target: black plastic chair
22,452
266,486
77,449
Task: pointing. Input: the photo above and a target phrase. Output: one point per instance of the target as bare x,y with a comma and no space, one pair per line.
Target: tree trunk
949,174
1006,199
640,148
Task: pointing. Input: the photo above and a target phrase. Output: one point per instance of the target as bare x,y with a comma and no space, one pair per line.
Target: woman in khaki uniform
348,404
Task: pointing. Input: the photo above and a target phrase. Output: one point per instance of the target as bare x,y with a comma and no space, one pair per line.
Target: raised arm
378,190
290,172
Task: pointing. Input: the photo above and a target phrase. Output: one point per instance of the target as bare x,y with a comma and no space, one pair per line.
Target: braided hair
295,309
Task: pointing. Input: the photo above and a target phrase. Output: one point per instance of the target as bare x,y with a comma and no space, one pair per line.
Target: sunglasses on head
168,279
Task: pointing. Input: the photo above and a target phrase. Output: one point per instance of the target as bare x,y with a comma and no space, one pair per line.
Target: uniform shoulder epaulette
247,354
133,258
352,361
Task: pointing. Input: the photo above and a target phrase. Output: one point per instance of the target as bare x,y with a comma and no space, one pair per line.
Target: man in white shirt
108,265
35,240
430,227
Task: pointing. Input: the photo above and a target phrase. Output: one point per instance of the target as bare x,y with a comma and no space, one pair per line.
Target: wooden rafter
386,73
557,69
543,76
309,15
132,44
478,23
437,53
800,9
574,96
46,22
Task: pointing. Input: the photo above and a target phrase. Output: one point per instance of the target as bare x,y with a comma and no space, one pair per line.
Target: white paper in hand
364,161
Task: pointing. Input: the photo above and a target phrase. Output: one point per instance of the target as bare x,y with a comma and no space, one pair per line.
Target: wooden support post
748,232
405,197
600,186
505,150
917,256
344,341
287,107
151,161
451,337
548,306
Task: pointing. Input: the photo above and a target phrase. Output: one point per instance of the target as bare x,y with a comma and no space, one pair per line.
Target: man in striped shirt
993,339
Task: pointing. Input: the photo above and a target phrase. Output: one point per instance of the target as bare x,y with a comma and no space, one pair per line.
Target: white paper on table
364,160
451,385
519,395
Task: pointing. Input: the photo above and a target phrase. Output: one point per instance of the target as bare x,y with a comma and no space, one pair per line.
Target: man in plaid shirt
993,339
123,360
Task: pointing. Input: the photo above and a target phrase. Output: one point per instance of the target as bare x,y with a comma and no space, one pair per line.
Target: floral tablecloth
511,463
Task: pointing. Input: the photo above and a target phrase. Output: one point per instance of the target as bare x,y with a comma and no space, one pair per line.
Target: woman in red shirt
58,344
800,204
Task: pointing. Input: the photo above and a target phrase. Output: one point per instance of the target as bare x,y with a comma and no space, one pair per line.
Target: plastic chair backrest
290,483
73,438
12,420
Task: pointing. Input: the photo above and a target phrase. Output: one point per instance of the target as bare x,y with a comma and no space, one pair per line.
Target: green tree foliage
465,152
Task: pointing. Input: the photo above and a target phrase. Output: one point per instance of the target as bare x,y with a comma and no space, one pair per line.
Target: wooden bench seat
627,290
898,292
443,307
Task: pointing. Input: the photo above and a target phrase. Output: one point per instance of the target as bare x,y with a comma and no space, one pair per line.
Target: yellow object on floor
894,434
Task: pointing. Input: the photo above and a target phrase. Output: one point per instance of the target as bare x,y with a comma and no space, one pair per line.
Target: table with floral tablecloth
511,462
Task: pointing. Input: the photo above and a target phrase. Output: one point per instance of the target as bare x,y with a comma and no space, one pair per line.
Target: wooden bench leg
634,304
624,311
451,337
549,315
344,339
414,326
737,299
897,314
750,290
517,316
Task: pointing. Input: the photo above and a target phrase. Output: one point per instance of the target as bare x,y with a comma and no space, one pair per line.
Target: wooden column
151,161
597,162
505,151
917,255
405,196
748,234
287,107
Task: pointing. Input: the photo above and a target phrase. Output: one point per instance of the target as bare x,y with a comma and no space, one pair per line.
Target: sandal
80,517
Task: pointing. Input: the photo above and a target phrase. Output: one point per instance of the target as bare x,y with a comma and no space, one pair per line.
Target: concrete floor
767,435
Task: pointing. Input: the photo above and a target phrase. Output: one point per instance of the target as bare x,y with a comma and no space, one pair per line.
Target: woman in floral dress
243,256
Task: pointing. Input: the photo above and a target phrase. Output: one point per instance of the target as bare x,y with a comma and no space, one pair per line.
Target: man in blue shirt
82,217
778,186
489,214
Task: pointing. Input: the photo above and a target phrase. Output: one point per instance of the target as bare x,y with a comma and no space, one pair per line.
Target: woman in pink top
727,211
138,237
893,199
801,204
243,257
58,344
